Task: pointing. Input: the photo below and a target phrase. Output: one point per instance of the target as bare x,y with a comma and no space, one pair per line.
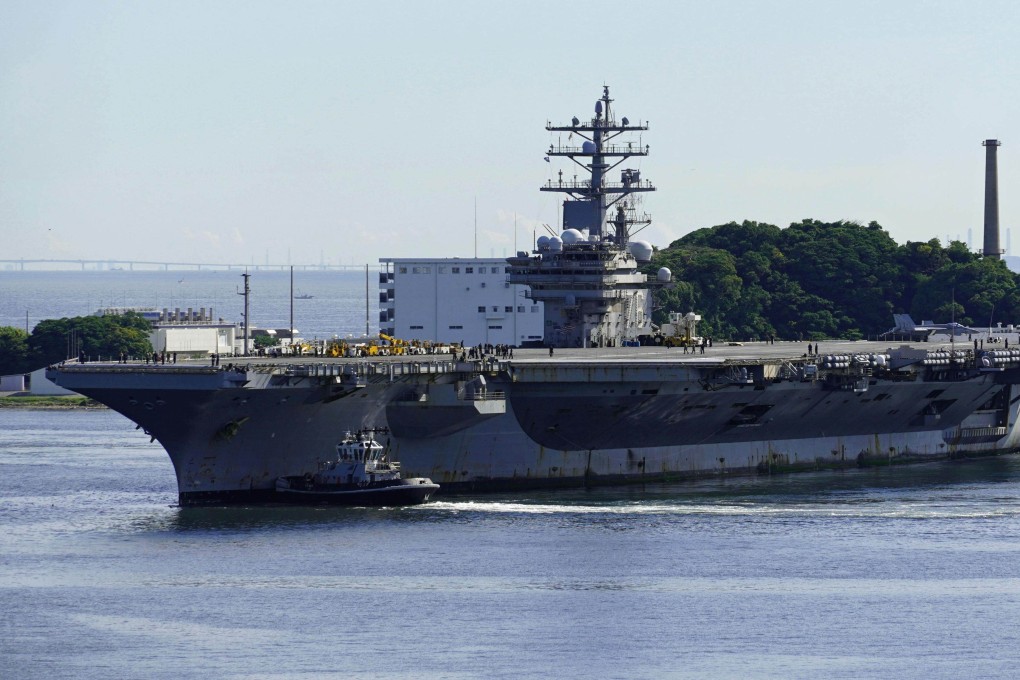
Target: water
337,305
905,572
909,572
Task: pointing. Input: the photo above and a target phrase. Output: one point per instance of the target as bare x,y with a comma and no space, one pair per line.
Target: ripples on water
901,572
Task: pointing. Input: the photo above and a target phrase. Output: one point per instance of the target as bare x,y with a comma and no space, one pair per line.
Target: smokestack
991,199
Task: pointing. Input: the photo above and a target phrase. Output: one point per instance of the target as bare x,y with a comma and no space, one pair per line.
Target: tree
265,340
707,282
816,280
854,267
968,292
13,351
734,238
54,340
1008,309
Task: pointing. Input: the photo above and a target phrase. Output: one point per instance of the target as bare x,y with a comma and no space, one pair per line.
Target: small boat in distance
303,296
359,475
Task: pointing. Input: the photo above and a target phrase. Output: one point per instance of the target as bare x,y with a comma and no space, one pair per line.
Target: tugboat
360,475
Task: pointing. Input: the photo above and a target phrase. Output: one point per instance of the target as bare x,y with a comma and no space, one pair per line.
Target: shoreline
56,403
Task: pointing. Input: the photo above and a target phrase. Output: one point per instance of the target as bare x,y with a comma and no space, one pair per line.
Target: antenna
476,227
291,303
246,294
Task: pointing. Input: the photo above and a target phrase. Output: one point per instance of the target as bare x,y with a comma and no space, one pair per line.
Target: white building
193,333
196,339
456,300
12,383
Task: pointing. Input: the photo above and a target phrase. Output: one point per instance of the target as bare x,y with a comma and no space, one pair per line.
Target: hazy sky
350,131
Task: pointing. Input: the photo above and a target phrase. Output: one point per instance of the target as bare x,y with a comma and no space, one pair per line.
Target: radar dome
664,275
641,250
588,147
543,242
555,244
572,236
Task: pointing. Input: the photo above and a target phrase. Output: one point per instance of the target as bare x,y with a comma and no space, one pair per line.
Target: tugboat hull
407,492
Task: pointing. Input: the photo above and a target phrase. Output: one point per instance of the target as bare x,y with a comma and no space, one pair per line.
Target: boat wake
866,509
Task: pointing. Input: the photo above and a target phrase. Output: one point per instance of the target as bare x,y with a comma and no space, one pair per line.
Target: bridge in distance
149,265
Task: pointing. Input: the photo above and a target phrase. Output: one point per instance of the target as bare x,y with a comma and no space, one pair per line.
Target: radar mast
607,145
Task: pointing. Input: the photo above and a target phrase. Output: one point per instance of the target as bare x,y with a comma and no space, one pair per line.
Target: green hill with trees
54,340
817,280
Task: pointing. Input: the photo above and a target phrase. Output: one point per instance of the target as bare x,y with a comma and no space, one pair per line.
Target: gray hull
629,416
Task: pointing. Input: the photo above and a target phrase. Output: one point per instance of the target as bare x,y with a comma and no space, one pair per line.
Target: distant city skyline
342,132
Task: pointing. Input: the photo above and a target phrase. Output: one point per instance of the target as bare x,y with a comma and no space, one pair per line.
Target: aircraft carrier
602,407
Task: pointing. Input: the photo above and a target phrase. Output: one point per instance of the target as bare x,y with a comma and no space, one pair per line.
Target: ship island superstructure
588,277
599,412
